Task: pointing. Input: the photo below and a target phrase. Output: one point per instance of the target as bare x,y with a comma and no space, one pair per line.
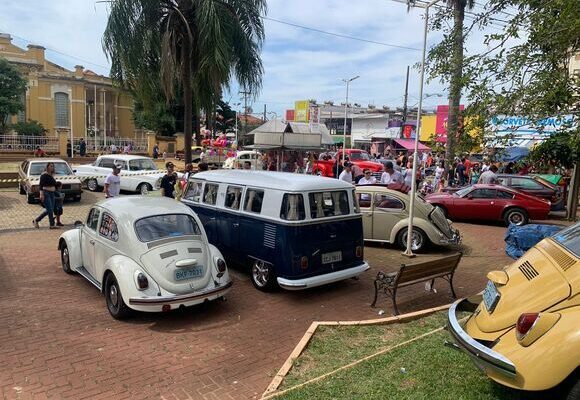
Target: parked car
146,254
491,203
211,155
325,166
295,231
138,173
237,162
536,186
523,332
386,215
29,175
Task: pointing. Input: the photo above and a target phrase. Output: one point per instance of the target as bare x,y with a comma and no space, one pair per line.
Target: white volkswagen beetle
146,254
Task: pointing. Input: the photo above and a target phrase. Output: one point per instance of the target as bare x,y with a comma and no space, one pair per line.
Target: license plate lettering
490,296
329,258
188,273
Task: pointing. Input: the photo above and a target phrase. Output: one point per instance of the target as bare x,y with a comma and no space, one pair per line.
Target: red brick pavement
57,339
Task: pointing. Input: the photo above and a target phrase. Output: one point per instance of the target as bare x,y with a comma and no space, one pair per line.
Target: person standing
489,176
460,173
357,172
346,174
168,181
156,151
367,179
390,175
82,147
113,183
439,170
68,149
58,203
47,188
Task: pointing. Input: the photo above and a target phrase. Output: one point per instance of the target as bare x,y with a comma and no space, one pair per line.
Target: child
59,200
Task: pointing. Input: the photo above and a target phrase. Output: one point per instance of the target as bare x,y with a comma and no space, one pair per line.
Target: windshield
142,164
462,192
163,226
359,156
60,168
570,239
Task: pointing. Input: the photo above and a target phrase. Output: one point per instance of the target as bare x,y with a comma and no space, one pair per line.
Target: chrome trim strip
159,242
169,253
323,279
479,352
153,301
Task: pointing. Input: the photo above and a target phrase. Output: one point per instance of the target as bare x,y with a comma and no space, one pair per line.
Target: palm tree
456,79
193,47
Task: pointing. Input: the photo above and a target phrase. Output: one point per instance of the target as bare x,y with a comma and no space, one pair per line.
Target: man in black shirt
168,181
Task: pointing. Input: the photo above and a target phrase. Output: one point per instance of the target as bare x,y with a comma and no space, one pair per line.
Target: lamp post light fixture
72,143
409,251
347,81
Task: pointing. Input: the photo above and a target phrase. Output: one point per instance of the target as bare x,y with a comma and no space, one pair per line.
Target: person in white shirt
438,175
113,149
367,179
346,174
113,183
489,176
390,175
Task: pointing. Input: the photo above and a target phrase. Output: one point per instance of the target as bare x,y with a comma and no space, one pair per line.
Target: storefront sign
522,127
301,110
289,115
441,123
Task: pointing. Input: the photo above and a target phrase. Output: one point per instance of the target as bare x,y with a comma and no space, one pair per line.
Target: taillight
525,324
142,281
304,262
359,251
221,267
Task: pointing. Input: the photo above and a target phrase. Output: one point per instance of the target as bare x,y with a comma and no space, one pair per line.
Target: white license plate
182,274
490,296
329,258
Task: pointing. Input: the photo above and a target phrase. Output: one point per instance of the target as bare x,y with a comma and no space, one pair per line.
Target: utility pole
246,94
405,101
264,119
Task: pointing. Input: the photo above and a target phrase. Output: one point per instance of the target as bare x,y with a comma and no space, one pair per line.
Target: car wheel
93,185
418,237
65,259
144,189
115,304
22,191
30,199
516,216
574,392
263,276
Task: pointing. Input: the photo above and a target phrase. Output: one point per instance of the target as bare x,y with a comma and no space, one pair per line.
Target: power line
340,35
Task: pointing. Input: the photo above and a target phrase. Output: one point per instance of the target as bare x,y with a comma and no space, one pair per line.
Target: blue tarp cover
519,239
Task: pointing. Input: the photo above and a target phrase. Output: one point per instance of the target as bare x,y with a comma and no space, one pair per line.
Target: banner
289,115
313,116
441,123
301,110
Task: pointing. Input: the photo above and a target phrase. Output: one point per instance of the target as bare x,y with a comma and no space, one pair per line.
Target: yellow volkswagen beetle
524,330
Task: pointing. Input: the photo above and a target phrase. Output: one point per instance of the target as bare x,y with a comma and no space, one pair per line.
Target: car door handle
92,242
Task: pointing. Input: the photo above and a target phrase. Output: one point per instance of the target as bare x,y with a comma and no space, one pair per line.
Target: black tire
30,199
263,276
22,191
516,216
420,238
65,259
93,185
574,392
115,304
144,189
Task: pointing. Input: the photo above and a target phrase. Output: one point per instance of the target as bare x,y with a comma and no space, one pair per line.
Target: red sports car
326,164
491,203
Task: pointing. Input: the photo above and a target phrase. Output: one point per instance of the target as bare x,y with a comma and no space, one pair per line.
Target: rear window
328,204
292,207
570,239
164,226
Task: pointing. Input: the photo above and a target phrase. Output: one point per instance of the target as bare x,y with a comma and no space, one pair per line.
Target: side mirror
78,224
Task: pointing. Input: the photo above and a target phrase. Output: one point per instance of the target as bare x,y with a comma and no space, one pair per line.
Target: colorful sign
441,123
313,115
524,128
289,115
301,110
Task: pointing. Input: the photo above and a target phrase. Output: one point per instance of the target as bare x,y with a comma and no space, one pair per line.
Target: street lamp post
347,81
72,151
409,250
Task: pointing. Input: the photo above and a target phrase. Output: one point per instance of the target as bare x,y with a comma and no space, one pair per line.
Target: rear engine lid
535,284
438,218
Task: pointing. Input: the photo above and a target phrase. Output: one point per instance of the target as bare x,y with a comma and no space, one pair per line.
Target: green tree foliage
196,46
562,148
12,87
29,128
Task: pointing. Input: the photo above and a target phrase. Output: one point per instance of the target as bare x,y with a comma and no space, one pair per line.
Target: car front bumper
484,357
152,303
319,280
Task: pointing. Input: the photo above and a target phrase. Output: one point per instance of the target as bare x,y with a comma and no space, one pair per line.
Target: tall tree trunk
187,102
197,126
455,83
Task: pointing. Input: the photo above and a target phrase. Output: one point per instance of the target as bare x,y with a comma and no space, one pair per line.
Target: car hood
536,282
372,165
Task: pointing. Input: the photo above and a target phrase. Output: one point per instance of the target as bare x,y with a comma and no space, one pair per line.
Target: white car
146,254
138,173
237,162
29,174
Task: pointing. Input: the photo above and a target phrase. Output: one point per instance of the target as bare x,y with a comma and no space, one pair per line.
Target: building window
21,117
61,107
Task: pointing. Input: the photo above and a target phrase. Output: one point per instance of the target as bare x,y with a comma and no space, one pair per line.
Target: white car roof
45,160
132,208
273,180
124,157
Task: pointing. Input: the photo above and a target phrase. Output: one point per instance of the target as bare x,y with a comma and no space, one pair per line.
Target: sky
298,63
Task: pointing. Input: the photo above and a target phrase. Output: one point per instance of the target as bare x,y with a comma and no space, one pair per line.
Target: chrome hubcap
92,185
113,295
144,189
260,272
65,259
416,240
516,218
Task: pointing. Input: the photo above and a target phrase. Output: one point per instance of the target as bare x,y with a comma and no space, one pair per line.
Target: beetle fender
124,269
72,238
420,223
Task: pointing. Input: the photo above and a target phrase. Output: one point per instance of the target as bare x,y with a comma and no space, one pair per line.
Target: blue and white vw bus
296,231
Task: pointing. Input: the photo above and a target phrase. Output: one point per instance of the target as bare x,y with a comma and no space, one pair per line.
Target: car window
526,184
24,166
483,194
121,163
210,194
142,164
462,192
37,168
108,228
253,200
93,219
502,194
244,157
292,207
364,200
383,201
233,195
355,202
570,239
158,227
328,204
106,163
60,168
193,192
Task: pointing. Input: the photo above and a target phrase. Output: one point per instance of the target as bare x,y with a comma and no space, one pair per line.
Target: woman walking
47,188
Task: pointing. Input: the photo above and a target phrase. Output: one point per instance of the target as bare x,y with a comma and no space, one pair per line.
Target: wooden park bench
410,274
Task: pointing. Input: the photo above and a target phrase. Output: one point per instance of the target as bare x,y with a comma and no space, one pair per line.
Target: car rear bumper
455,239
481,355
319,280
182,299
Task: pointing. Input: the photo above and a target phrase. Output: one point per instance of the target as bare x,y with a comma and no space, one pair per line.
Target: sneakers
59,224
35,223
54,227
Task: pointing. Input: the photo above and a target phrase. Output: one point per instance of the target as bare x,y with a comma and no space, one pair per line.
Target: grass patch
424,369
